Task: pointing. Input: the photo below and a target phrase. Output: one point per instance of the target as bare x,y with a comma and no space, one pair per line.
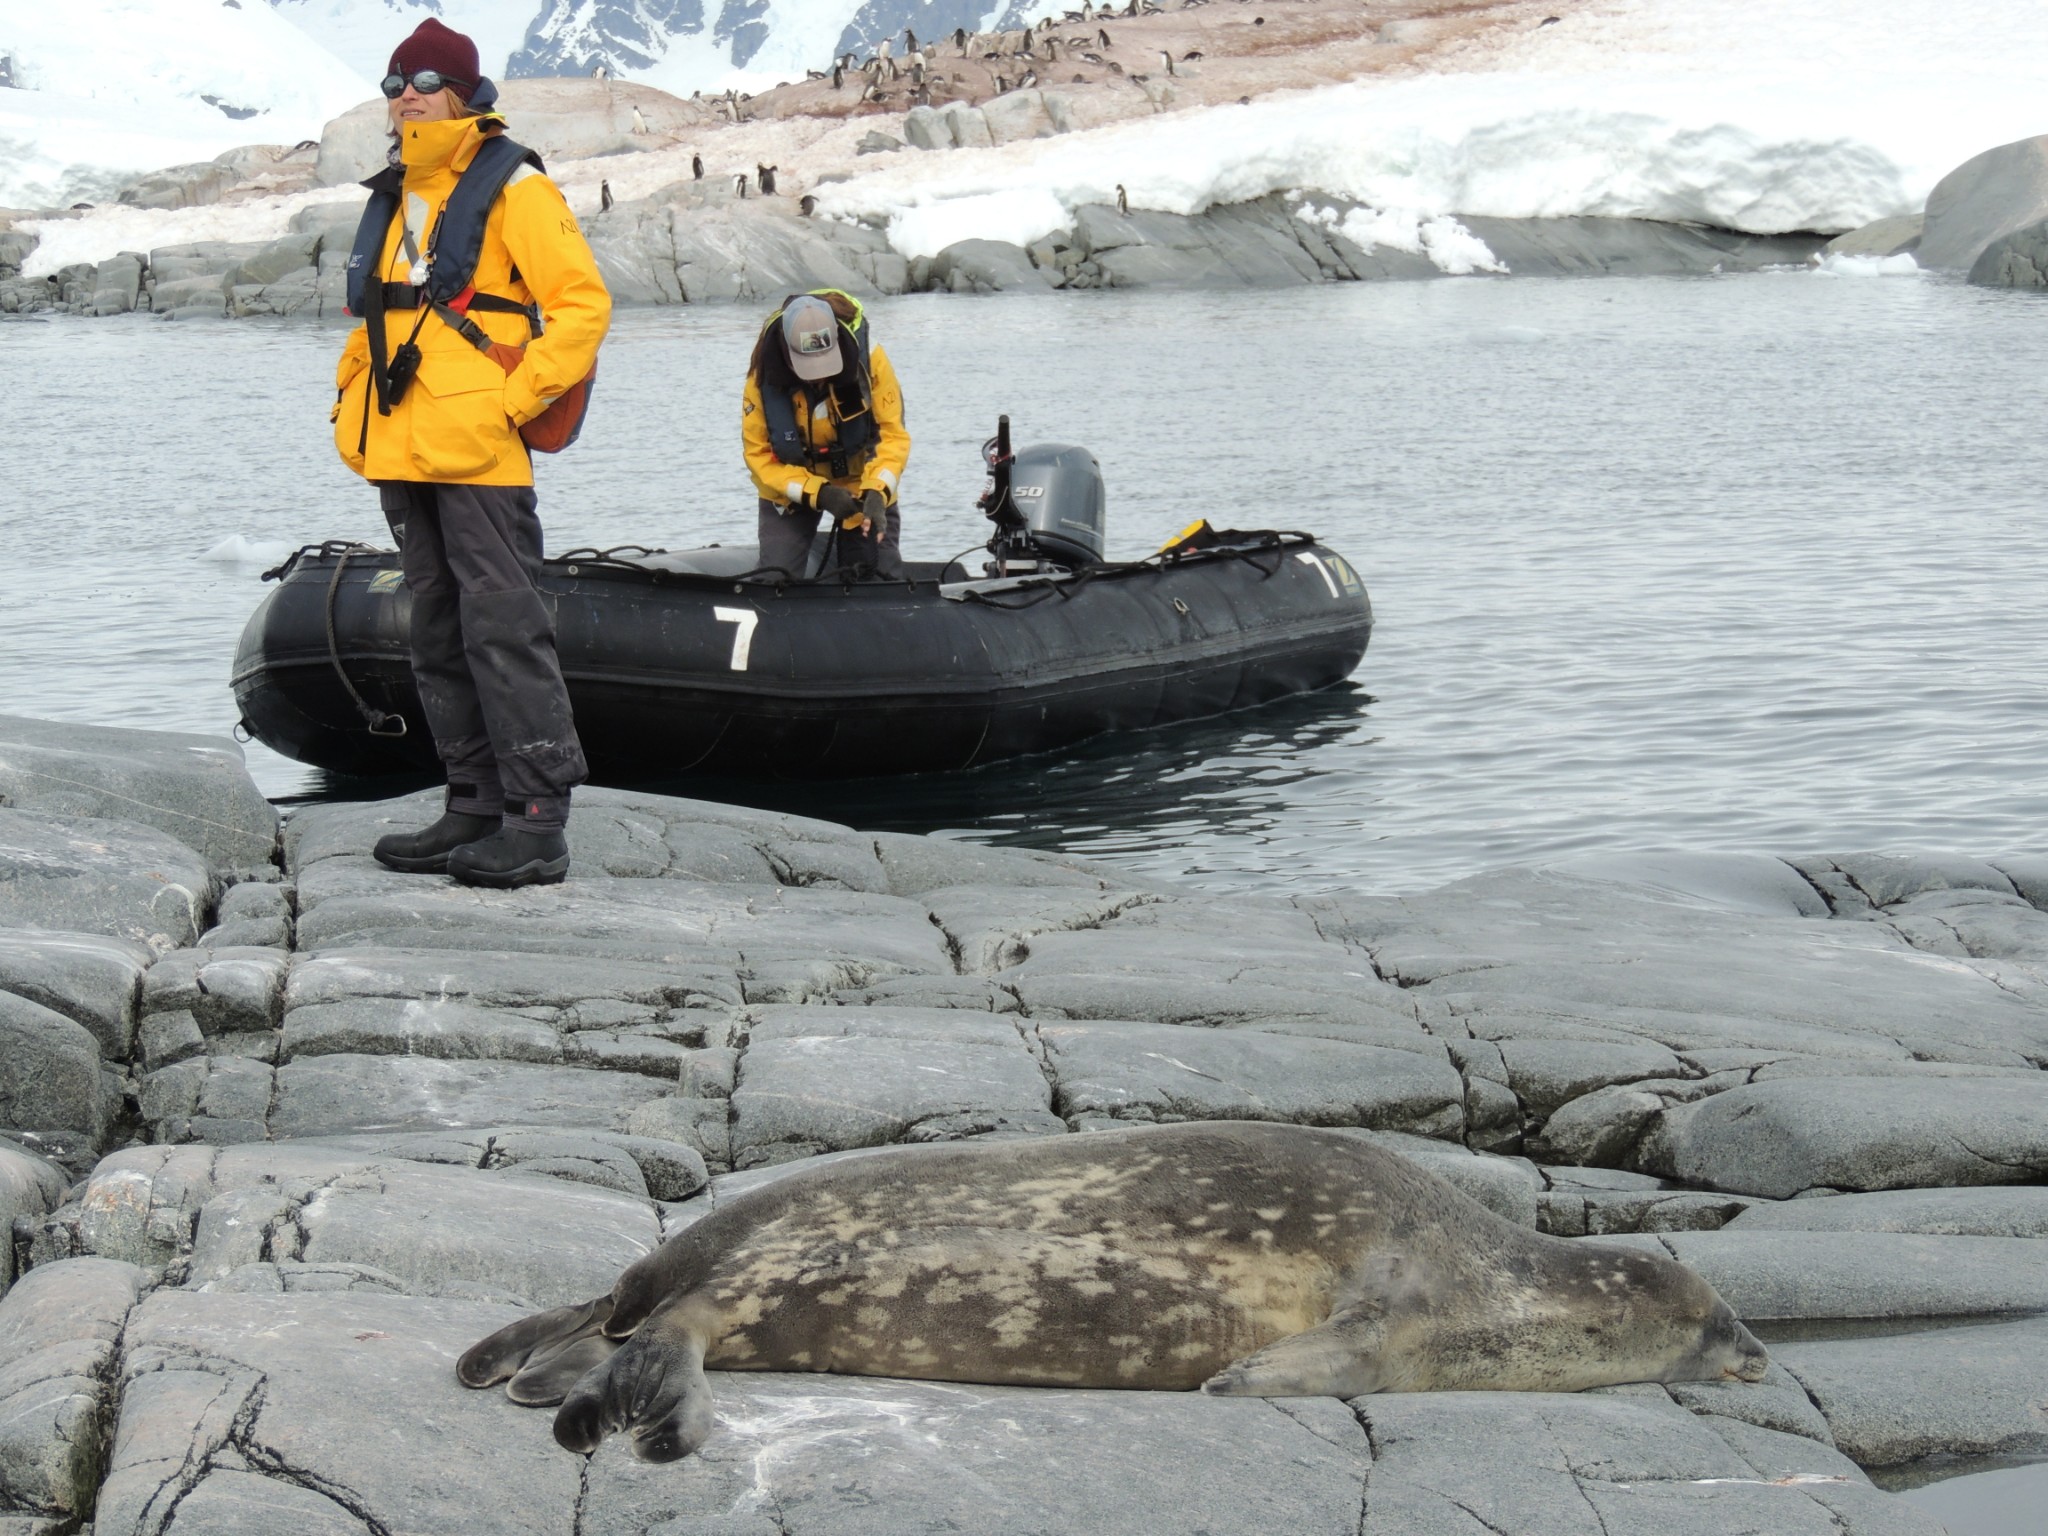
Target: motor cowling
1058,491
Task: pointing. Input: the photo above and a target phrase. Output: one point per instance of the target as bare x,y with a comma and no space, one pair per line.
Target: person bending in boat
463,245
822,423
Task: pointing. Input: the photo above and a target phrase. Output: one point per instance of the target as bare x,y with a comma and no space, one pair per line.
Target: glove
834,500
876,510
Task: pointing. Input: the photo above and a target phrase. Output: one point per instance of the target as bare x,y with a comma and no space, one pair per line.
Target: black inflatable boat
699,661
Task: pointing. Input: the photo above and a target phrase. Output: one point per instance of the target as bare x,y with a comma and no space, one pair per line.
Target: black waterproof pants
483,648
787,532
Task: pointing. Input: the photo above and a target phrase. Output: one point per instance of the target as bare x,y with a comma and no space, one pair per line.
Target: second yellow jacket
791,484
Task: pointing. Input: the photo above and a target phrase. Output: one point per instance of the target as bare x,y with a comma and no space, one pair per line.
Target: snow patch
96,235
112,89
1452,247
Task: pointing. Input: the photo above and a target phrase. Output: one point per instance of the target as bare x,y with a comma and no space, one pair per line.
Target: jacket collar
425,148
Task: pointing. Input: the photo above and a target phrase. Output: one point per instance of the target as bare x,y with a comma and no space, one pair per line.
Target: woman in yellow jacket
431,393
821,421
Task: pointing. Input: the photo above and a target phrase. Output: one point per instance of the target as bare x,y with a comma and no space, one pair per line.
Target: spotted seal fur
1247,1259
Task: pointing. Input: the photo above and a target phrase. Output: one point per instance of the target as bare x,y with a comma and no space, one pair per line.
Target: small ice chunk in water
1831,265
237,550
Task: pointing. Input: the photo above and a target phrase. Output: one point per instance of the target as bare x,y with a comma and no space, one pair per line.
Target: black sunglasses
425,81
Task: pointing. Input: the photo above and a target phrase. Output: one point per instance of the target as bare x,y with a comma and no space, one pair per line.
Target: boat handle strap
375,721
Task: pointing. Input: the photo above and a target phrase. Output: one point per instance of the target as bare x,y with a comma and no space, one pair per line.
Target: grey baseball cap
810,333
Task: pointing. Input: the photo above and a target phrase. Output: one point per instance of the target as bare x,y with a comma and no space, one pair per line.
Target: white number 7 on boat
1306,558
743,636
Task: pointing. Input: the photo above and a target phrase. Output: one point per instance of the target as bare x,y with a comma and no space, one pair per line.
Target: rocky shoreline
281,1132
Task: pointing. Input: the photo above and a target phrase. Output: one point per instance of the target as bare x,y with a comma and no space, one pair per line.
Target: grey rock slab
644,1165
195,788
30,1186
336,1095
350,1395
1988,195
1778,1138
51,1080
228,989
1880,237
1585,1464
59,1330
1526,951
118,878
992,928
1884,879
987,266
844,1456
1803,1275
791,940
415,1027
1546,1074
1734,882
1164,1072
231,1503
1507,1186
490,979
825,1079
918,866
1777,1403
89,978
1975,1391
1994,1211
1640,247
427,1226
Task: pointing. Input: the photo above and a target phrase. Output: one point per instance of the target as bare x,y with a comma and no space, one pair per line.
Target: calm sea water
1748,562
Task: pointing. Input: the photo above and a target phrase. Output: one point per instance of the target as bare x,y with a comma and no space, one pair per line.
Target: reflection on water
1750,562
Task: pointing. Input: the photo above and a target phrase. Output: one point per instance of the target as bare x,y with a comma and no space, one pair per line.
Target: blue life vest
457,242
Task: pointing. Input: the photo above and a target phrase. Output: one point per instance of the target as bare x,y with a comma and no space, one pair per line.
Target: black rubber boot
512,856
426,851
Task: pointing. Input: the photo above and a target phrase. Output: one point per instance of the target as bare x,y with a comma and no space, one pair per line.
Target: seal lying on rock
1247,1259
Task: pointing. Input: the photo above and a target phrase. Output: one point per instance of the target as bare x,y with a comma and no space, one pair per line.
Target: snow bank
1759,115
1901,265
105,230
117,88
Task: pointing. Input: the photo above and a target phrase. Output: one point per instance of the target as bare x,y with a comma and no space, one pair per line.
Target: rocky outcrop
335,1122
238,175
562,119
1895,236
1986,198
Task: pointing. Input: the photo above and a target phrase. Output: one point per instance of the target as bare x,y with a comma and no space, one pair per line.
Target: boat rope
1066,584
375,721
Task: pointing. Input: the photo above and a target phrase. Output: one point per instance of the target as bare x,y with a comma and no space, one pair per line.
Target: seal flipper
504,1354
654,1386
1338,1358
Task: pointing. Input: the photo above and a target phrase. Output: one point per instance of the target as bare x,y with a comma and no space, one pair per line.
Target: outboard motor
1047,503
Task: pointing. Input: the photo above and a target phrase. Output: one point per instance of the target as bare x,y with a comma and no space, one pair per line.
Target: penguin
1092,58
882,48
1191,56
1102,37
807,205
1002,84
604,197
739,183
960,40
1030,79
599,72
764,175
1123,201
909,41
1549,21
697,167
1115,68
1169,60
639,122
1052,50
838,76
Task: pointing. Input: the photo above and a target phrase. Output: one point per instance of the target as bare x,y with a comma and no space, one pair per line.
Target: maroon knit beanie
433,46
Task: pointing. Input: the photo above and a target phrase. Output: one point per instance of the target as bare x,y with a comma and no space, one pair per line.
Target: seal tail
541,1354
653,1386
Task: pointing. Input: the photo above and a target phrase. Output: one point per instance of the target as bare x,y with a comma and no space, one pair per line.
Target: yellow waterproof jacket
879,470
459,422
